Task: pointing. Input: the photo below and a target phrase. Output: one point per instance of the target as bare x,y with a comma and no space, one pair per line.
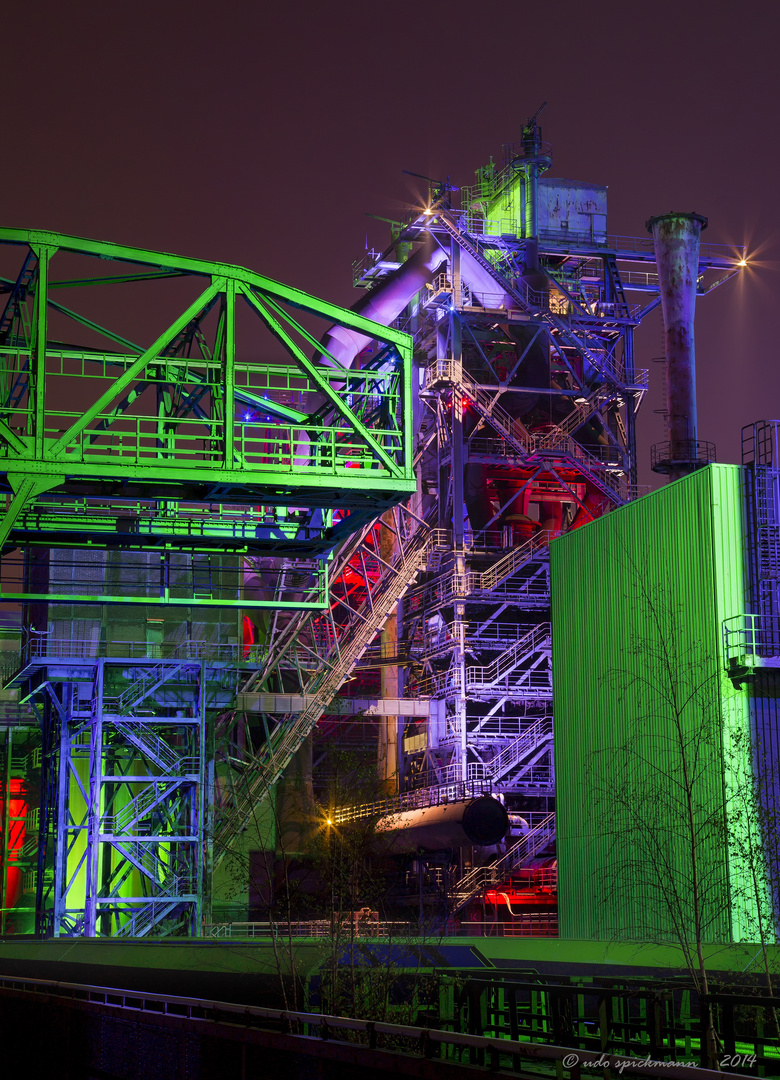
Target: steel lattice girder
129,803
100,428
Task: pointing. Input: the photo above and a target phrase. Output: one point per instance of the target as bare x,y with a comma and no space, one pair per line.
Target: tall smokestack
676,241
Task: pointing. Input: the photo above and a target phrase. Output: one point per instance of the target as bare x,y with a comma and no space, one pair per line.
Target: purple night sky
261,134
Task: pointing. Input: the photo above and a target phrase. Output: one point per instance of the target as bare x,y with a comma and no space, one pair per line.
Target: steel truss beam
125,824
218,433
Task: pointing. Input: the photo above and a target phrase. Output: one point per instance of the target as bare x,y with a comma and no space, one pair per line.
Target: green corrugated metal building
642,700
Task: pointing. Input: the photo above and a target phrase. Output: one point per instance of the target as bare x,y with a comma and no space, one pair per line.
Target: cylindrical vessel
676,242
482,822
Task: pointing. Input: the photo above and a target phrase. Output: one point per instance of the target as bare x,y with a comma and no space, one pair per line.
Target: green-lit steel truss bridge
155,403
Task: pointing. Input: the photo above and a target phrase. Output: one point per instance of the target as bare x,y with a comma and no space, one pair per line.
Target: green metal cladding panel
678,552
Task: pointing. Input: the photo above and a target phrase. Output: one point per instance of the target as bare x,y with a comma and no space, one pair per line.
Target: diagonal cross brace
321,383
25,488
135,369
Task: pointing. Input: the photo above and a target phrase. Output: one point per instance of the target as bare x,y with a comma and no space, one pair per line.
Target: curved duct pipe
384,304
482,284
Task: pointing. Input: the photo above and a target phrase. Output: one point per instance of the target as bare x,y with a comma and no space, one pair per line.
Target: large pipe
482,821
484,287
676,242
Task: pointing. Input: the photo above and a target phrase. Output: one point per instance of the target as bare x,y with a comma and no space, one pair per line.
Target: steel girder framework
532,393
527,394
125,795
234,430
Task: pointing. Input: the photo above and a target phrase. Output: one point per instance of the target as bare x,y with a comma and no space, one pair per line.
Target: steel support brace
131,802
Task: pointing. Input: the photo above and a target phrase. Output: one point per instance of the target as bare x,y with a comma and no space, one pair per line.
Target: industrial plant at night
294,586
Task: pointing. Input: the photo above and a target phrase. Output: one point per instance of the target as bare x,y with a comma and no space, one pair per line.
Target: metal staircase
129,816
533,589
153,747
533,304
524,750
346,648
142,922
144,858
531,650
515,560
450,372
140,688
485,877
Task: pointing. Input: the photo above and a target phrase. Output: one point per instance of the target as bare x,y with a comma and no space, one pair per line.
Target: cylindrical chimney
676,241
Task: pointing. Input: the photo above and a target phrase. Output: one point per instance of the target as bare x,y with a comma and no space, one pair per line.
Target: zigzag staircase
154,748
134,811
532,649
140,689
516,559
452,585
522,441
141,854
525,750
528,302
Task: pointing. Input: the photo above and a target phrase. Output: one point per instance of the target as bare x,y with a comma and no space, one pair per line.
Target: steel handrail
206,1010
413,800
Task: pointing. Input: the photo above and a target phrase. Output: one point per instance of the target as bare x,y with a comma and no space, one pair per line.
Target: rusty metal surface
676,242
